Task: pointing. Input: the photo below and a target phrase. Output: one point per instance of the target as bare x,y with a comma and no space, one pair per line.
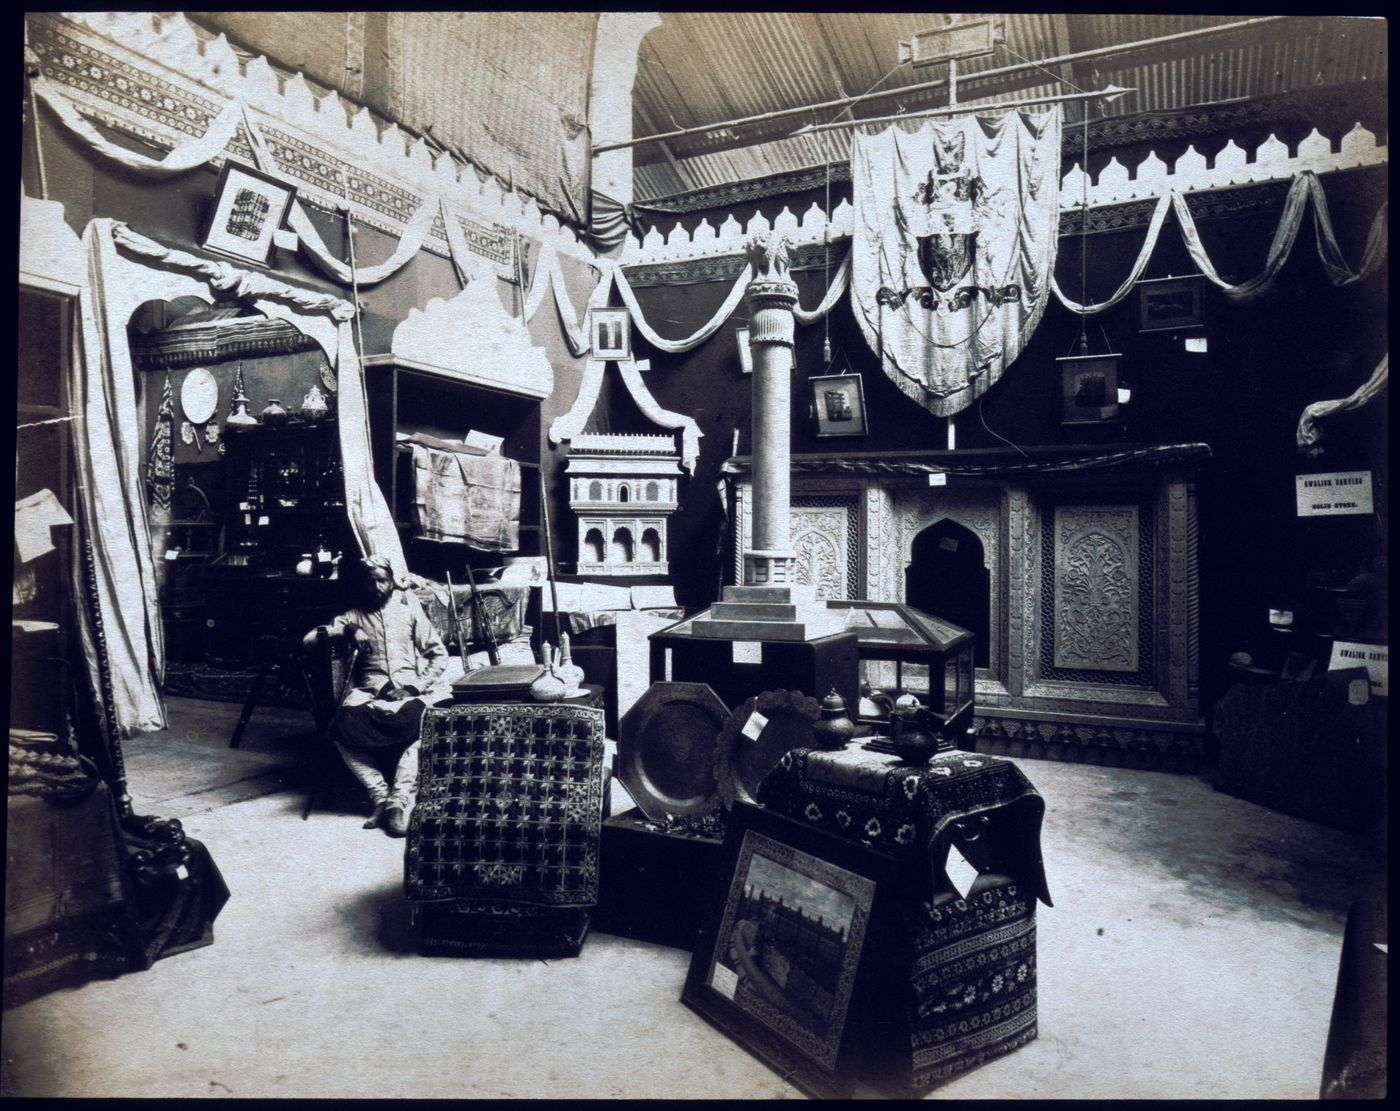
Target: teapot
915,734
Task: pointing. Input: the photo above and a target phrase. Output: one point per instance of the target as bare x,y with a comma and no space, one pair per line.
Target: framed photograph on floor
1089,388
249,207
839,400
1169,304
612,334
779,959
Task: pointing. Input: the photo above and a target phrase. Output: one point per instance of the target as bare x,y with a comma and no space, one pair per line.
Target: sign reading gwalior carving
953,246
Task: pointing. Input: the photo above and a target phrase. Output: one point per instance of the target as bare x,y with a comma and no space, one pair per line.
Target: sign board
1375,658
1334,494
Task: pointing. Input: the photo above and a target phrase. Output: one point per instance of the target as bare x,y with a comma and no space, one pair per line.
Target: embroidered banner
953,247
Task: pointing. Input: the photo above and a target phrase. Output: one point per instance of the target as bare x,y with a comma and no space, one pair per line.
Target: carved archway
947,577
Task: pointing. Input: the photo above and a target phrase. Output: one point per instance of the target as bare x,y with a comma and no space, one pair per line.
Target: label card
960,871
754,726
748,652
1335,494
1358,692
725,981
1375,658
938,478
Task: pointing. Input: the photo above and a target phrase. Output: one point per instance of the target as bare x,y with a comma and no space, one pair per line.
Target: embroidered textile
510,806
973,980
468,499
905,809
953,247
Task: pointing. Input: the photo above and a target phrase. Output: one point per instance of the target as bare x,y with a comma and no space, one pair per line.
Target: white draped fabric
1309,435
120,629
188,155
953,248
1305,186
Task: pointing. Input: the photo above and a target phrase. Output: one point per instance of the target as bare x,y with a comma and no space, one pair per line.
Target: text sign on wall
1375,658
1328,495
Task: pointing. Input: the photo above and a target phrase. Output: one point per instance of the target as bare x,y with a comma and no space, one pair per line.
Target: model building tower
622,488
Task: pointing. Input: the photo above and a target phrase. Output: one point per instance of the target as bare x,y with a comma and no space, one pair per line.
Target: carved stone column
771,297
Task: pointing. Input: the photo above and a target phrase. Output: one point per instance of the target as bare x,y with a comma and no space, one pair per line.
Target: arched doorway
947,577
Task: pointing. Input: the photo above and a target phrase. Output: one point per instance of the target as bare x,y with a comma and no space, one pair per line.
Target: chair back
328,664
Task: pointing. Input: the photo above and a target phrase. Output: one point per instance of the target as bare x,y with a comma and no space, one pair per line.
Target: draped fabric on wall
1305,187
120,630
1310,436
953,247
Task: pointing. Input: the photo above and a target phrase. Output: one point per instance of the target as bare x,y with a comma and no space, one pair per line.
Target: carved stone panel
1096,587
824,533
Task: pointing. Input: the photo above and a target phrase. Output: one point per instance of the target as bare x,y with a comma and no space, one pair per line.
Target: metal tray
742,760
666,749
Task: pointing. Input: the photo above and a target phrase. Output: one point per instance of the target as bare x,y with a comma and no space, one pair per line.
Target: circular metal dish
666,749
741,760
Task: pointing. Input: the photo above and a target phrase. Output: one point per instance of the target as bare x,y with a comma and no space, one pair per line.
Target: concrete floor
1192,952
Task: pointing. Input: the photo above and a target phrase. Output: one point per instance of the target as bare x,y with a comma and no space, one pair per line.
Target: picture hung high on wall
780,956
249,207
1089,388
612,334
839,400
1169,304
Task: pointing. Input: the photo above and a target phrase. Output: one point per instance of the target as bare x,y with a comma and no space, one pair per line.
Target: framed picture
612,334
840,404
1169,304
249,207
1089,388
741,337
789,946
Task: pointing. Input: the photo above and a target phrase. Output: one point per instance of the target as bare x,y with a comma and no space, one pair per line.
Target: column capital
772,294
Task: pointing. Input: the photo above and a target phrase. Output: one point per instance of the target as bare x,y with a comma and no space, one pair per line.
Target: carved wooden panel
824,531
1096,587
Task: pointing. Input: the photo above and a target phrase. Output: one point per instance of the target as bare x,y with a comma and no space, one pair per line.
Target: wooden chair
328,664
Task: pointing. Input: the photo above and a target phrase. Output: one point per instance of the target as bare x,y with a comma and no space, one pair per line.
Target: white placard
1335,494
962,874
748,652
754,726
1375,658
725,981
1197,345
938,478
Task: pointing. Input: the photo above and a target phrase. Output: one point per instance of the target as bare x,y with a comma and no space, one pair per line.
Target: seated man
401,669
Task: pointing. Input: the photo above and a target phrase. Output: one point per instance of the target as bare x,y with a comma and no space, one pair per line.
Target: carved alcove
1088,564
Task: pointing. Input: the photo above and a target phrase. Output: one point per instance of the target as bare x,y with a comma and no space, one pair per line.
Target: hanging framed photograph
1169,304
1089,388
839,401
787,952
249,207
612,334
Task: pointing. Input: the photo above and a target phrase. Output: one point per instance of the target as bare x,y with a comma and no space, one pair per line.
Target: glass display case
903,651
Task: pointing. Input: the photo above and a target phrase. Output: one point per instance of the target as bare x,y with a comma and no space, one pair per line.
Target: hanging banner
956,228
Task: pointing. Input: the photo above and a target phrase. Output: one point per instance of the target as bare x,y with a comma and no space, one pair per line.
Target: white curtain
1309,435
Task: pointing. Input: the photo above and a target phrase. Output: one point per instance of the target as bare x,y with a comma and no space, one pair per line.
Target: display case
902,651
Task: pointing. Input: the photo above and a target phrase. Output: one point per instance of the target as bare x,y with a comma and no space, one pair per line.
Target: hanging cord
354,274
32,72
43,423
981,398
1084,239
826,257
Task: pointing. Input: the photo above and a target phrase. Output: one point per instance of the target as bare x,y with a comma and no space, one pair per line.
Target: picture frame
741,337
786,958
1089,388
839,402
249,207
1169,304
611,332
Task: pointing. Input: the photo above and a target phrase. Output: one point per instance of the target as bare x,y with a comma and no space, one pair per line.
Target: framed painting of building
1089,388
839,400
777,962
611,334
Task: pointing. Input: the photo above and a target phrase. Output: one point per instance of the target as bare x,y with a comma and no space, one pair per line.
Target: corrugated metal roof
707,67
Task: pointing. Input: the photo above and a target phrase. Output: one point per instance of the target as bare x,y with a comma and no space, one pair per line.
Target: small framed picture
741,337
778,960
249,207
1089,388
1169,304
612,334
839,400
